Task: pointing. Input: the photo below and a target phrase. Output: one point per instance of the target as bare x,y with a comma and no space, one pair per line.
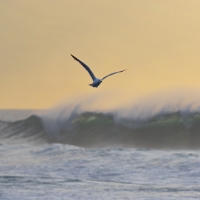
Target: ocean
75,153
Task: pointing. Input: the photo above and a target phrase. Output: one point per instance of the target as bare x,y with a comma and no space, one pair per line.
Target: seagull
96,81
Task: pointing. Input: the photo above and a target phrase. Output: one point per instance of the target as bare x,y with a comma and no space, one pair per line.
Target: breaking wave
160,126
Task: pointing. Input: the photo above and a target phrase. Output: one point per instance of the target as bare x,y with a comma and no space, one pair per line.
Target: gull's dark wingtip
73,56
124,70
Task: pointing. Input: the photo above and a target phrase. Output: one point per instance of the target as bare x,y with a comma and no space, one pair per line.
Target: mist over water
123,105
108,119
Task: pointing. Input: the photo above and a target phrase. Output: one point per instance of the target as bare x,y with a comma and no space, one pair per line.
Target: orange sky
158,41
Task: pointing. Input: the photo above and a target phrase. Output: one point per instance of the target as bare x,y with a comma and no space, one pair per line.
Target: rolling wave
96,129
162,122
30,129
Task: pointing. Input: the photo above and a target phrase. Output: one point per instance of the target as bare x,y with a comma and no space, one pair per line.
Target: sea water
98,155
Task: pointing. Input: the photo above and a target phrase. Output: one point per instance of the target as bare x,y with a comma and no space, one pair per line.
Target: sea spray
161,115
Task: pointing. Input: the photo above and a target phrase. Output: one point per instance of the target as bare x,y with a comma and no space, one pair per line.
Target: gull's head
91,85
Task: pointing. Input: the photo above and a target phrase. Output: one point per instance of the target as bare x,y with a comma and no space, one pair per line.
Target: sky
158,41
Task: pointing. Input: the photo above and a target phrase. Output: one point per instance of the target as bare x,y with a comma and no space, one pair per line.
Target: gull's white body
96,81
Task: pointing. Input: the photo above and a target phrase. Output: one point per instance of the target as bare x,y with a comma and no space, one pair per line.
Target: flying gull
96,81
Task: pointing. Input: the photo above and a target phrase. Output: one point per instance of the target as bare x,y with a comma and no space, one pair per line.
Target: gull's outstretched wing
113,74
86,67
